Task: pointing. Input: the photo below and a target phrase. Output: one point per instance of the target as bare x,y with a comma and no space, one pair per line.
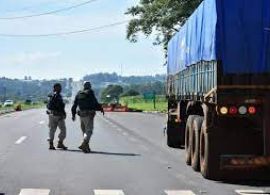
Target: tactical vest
56,103
86,100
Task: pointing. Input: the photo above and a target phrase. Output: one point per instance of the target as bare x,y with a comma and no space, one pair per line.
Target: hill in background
101,80
21,89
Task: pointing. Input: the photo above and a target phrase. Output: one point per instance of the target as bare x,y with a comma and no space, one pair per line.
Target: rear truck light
242,110
223,110
233,110
252,110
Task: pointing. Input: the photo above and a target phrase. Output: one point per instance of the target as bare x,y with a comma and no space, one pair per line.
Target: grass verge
139,103
23,107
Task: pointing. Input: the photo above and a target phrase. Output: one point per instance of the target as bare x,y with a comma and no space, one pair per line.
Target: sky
105,50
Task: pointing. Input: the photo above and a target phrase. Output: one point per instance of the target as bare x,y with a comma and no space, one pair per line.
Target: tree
130,92
111,93
163,17
16,89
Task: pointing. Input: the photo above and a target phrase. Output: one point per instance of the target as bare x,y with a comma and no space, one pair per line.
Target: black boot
51,146
60,145
88,150
85,147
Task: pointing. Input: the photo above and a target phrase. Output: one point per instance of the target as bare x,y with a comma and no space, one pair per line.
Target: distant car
34,102
8,103
28,101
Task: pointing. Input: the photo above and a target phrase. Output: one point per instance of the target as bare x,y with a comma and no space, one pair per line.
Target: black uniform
86,101
56,104
57,115
88,104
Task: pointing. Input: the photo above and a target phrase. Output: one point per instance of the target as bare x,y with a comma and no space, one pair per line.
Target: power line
49,12
25,8
66,33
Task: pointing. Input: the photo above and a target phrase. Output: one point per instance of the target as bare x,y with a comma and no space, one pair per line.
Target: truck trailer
218,89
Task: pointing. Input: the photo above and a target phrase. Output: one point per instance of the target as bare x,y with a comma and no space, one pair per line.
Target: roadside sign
149,96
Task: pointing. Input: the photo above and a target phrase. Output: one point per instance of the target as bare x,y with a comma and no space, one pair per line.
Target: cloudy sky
74,56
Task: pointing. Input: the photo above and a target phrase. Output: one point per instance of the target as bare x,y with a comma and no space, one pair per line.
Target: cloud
29,58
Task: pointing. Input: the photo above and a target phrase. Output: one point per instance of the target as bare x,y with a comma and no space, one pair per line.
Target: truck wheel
195,143
208,154
188,138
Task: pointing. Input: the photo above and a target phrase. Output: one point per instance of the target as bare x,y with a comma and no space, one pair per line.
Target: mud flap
267,126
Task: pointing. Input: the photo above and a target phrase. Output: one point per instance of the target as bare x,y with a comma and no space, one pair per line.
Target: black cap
56,85
87,85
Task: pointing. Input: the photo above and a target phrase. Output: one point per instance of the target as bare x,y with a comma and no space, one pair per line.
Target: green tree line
112,93
16,89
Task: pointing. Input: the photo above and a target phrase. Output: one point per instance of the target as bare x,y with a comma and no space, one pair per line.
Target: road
129,157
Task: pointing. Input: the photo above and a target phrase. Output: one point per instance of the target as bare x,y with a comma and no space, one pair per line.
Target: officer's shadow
103,153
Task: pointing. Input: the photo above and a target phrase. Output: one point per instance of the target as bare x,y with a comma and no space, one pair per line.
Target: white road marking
19,141
34,192
144,147
253,192
42,122
179,192
118,129
125,133
109,192
109,122
132,139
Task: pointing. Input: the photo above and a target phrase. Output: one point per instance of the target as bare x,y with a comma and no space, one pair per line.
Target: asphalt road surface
129,157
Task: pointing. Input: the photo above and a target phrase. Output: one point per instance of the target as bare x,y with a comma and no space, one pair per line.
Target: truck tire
209,162
195,143
188,138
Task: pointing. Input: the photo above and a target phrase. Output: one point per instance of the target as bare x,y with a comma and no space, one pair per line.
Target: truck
218,89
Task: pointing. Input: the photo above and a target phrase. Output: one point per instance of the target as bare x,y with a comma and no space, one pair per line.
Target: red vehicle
114,108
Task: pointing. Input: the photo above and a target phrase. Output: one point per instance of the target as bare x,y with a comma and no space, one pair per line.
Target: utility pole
154,99
5,93
121,73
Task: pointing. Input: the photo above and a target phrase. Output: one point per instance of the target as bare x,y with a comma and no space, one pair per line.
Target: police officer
57,116
88,105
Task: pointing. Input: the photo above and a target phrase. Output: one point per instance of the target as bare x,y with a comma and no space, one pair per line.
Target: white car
8,103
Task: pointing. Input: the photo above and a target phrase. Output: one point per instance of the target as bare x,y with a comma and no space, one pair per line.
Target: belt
56,113
85,112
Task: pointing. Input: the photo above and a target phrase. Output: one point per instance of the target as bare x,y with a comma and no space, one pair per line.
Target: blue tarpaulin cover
237,32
